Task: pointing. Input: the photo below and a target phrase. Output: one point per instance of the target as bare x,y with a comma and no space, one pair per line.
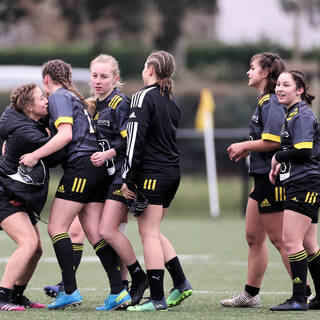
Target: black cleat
290,305
137,290
314,304
53,291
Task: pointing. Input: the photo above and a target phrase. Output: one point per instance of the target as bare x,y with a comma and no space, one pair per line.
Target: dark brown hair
274,64
301,82
61,72
164,65
22,97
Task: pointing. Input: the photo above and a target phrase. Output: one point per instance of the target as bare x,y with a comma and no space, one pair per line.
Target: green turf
213,253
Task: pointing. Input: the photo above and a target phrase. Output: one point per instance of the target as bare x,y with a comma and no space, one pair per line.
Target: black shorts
269,196
302,196
83,182
115,193
10,206
158,191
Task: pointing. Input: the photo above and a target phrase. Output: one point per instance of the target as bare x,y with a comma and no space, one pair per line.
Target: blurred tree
173,13
13,10
105,18
297,7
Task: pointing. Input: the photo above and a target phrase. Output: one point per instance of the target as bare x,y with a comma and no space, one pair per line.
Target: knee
107,234
254,239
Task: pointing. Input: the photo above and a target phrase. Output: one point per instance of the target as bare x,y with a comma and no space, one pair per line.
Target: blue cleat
290,305
64,300
115,301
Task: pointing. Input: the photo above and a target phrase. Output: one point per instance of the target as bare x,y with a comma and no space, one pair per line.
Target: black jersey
300,131
24,135
110,121
65,107
152,148
265,124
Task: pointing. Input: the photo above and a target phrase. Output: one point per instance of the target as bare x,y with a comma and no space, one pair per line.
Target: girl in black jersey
110,115
82,188
264,214
298,165
153,166
22,195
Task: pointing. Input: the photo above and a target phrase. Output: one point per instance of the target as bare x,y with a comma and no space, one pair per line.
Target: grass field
213,253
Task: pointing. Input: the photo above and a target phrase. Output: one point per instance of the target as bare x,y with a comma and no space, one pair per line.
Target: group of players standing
113,150
284,202
93,140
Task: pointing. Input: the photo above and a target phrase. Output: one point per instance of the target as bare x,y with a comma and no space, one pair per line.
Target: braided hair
274,64
61,72
164,65
300,80
22,97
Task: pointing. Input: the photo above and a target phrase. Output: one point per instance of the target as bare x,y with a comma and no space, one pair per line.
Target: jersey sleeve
302,125
272,118
122,114
138,123
61,110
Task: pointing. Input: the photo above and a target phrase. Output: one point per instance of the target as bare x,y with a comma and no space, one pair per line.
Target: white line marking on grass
201,259
195,291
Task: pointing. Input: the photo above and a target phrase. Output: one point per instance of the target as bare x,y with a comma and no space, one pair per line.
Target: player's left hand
127,193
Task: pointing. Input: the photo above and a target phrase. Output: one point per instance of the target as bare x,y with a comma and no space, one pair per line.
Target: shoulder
119,100
143,95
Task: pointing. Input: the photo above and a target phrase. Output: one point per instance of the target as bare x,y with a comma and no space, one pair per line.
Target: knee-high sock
64,252
109,260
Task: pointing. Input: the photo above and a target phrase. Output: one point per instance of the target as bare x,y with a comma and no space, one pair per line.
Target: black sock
77,254
4,294
64,252
176,272
314,268
109,260
136,272
253,291
125,284
18,290
299,269
155,277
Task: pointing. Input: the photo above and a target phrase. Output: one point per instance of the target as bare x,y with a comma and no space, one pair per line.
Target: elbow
68,138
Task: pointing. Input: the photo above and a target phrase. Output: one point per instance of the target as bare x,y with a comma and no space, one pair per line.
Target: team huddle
119,153
115,153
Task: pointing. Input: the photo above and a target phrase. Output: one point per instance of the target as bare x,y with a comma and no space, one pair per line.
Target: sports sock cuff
253,291
99,245
299,256
313,256
77,246
59,237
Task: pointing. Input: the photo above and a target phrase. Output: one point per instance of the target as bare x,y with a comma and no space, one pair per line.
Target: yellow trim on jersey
292,114
115,101
63,120
96,117
304,145
123,133
271,137
263,99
